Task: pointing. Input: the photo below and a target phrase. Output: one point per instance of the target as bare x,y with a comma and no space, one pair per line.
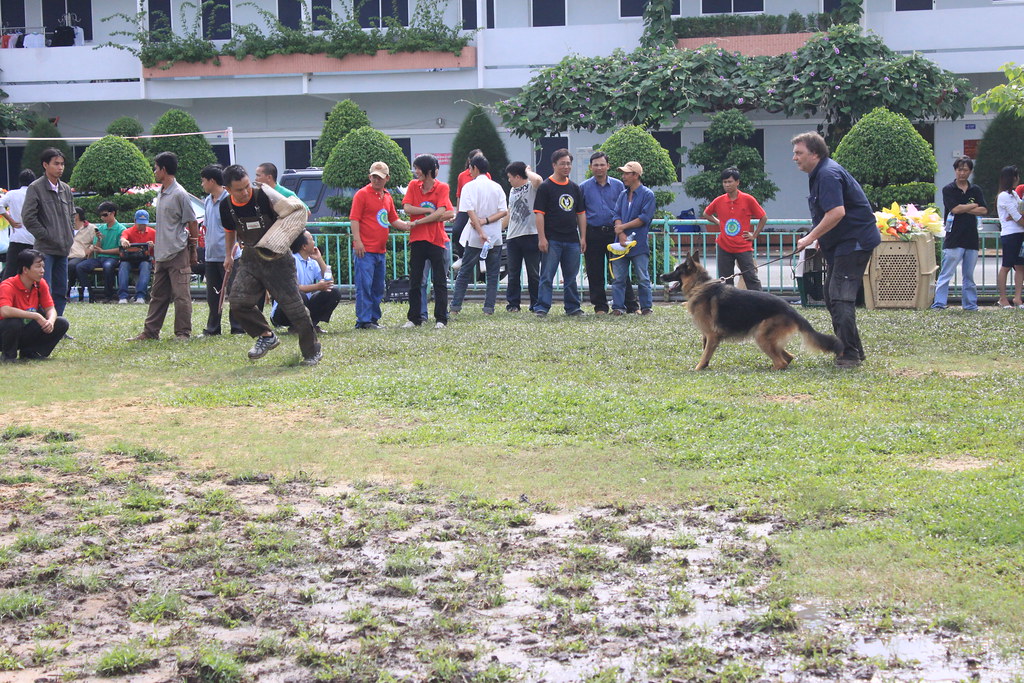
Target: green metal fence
669,242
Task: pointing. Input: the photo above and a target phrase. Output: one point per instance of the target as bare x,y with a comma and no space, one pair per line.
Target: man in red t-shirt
29,323
730,214
139,256
373,212
428,204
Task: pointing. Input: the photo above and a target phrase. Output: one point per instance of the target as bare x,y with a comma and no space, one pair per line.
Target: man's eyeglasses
105,214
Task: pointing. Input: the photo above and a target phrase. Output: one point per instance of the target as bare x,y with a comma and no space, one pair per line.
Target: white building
276,110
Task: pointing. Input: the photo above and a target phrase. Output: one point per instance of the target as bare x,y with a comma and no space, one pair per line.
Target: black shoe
512,309
315,358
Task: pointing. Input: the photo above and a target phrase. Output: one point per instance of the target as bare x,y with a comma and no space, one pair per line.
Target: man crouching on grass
247,216
29,323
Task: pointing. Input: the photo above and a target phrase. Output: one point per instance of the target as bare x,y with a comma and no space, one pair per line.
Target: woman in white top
1011,237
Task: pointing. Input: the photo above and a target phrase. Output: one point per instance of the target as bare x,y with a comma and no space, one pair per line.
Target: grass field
897,485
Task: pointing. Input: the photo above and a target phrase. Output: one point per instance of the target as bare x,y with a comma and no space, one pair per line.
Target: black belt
606,228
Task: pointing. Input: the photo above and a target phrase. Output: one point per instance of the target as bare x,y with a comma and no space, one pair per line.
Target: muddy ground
127,564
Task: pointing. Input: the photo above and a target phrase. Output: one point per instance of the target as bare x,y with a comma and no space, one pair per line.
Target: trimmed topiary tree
43,128
111,165
1001,145
890,159
193,151
350,160
478,132
127,127
726,144
344,118
633,143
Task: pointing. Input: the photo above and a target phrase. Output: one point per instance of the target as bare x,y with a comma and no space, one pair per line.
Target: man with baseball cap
633,214
137,245
373,212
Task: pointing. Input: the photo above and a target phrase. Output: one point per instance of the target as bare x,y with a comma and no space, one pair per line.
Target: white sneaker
457,264
440,326
123,301
409,325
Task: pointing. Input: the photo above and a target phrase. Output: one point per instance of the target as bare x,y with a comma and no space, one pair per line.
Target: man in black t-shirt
561,216
247,215
964,202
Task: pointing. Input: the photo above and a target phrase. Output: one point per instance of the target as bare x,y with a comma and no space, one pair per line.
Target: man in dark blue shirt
845,229
601,192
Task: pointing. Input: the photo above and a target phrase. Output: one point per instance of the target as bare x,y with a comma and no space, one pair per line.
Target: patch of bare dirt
962,374
964,463
795,399
262,578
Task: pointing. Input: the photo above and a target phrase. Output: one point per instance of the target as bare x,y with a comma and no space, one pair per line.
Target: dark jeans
15,248
842,282
596,259
727,262
57,277
73,274
320,306
420,252
214,283
461,219
27,337
109,265
522,249
468,272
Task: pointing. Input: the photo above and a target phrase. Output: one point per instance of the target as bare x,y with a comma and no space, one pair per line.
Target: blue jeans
369,272
620,267
564,255
56,275
470,257
141,285
109,265
951,258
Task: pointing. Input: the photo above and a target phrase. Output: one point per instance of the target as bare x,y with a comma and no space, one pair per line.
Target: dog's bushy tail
826,343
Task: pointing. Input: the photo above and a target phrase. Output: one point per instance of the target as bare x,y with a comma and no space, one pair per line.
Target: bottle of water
328,275
949,221
485,250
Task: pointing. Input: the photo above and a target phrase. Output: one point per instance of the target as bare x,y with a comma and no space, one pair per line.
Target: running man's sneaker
315,358
440,326
263,346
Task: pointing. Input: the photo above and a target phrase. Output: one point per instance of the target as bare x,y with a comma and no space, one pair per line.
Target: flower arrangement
906,221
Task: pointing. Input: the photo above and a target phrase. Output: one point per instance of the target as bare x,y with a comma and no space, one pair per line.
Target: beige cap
379,168
632,167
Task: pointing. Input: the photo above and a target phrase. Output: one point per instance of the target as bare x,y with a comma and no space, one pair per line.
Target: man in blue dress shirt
634,212
601,191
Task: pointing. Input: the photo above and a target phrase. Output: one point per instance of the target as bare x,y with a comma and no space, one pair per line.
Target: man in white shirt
320,295
484,202
10,208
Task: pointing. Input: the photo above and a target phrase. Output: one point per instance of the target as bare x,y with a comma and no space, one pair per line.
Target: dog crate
901,274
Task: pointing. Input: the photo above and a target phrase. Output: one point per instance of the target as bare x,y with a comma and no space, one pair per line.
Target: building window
217,20
548,12
828,6
547,148
635,8
298,153
731,6
10,165
406,145
223,154
13,14
470,21
671,141
289,13
372,12
911,5
159,15
67,13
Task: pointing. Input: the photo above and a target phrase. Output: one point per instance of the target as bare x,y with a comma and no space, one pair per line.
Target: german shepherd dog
722,312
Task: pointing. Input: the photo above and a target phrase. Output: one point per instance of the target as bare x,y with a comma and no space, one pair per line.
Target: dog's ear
695,255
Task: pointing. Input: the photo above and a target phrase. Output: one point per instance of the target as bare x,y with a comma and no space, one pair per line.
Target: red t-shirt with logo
139,234
14,294
375,213
734,217
438,197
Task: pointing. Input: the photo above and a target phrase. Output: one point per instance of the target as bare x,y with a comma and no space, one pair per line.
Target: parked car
308,185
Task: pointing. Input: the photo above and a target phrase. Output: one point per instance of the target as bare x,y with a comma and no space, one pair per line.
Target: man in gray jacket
49,214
